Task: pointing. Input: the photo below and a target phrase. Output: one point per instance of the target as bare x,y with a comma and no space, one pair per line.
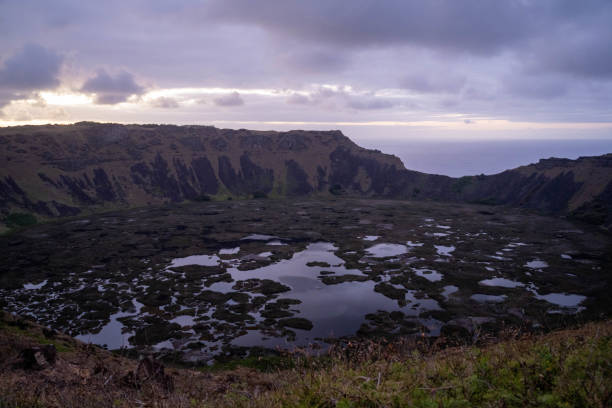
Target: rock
296,323
149,370
39,358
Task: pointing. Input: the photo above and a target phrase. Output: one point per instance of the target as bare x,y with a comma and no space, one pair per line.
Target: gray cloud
498,59
536,87
326,93
343,97
298,99
441,83
318,61
319,95
471,25
587,55
233,99
560,36
32,68
5,99
370,103
111,89
165,102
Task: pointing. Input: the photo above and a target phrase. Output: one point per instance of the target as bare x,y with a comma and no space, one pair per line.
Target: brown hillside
63,170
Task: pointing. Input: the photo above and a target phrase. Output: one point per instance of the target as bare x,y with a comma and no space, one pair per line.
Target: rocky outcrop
66,170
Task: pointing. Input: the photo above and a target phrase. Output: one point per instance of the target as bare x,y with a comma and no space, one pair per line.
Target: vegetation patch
263,286
17,220
390,291
567,368
336,279
318,264
296,323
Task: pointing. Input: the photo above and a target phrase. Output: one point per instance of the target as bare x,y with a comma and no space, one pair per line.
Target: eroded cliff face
581,188
64,170
68,170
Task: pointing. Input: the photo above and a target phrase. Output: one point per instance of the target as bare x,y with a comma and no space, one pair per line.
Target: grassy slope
569,368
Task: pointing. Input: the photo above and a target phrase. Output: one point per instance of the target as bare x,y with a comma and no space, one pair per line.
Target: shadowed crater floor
215,278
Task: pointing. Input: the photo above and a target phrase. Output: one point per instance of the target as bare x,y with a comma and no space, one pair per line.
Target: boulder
38,358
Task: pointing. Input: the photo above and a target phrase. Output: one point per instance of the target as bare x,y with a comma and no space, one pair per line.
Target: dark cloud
233,99
587,55
470,25
499,59
32,68
560,36
111,89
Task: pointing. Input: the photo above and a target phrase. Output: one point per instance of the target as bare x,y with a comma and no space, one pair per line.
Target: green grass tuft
16,220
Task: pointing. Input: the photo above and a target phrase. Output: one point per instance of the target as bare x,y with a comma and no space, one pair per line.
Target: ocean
458,158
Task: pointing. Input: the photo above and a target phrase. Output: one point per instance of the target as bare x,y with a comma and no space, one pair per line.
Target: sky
377,70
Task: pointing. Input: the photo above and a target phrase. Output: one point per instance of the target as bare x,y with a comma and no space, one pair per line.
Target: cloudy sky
395,68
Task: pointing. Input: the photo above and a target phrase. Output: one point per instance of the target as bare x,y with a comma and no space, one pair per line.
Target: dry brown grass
549,370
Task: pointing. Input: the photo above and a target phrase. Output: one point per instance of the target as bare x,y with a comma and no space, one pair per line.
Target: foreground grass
561,370
568,368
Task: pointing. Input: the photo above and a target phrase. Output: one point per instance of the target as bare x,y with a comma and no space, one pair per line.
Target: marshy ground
202,280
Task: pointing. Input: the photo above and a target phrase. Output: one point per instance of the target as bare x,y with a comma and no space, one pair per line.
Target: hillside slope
44,368
55,170
581,188
61,170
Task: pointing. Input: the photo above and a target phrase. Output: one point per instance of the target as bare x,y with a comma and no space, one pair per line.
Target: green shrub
15,220
202,197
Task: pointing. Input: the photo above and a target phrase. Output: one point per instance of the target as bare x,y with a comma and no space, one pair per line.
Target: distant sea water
469,157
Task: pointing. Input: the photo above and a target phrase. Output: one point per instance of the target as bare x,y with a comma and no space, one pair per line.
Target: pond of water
386,250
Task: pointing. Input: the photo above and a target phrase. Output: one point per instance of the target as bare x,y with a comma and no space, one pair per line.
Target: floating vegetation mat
208,279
